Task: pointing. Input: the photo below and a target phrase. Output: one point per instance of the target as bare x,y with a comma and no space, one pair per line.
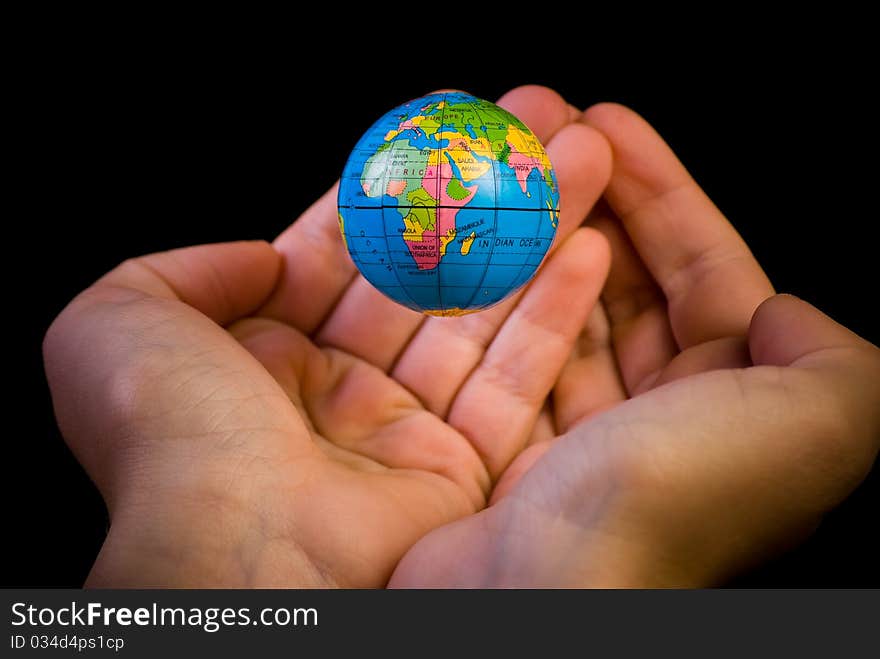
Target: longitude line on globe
495,172
391,261
531,251
440,155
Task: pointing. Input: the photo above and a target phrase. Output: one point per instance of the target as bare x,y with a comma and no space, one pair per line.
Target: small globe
448,204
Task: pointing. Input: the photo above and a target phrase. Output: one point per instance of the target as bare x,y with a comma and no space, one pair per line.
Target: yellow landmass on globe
545,160
461,142
467,242
522,141
342,229
469,167
445,240
479,145
463,149
455,311
554,214
413,232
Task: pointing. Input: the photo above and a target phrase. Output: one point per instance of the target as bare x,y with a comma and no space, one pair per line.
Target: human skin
630,416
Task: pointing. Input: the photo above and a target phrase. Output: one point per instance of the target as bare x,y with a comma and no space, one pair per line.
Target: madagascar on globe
448,204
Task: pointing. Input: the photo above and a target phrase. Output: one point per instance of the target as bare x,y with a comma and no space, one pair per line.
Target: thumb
748,460
786,331
133,356
834,372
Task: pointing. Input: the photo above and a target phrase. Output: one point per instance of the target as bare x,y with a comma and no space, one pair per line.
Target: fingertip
584,256
609,117
582,142
542,109
785,328
260,250
599,246
581,157
255,258
644,164
537,92
264,253
597,252
603,156
630,135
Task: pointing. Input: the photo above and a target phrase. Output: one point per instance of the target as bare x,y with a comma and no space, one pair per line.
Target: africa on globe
448,204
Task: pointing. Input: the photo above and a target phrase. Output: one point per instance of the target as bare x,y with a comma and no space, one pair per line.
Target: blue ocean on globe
448,204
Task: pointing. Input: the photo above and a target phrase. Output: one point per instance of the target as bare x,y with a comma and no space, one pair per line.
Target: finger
639,324
498,404
316,267
729,352
139,358
545,112
540,108
590,381
787,331
352,326
589,384
582,161
545,427
835,374
224,281
710,278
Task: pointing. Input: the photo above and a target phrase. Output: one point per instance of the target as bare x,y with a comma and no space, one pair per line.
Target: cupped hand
259,415
701,424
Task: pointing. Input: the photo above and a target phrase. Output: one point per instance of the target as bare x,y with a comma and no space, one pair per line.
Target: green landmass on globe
448,204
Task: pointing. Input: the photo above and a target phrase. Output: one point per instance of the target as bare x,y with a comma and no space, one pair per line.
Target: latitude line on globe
391,235
473,208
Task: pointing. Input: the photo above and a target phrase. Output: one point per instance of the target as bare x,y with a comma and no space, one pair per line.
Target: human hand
257,416
702,427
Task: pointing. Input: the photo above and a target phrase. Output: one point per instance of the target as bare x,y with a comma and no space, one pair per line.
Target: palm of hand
360,469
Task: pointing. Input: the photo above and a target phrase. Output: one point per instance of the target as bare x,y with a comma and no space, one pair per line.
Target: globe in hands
448,204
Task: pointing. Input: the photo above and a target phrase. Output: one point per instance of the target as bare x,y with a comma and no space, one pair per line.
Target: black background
133,147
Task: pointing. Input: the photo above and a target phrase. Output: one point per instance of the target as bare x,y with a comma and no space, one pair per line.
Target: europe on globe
448,204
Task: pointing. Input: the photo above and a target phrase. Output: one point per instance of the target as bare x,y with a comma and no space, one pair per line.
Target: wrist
196,539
